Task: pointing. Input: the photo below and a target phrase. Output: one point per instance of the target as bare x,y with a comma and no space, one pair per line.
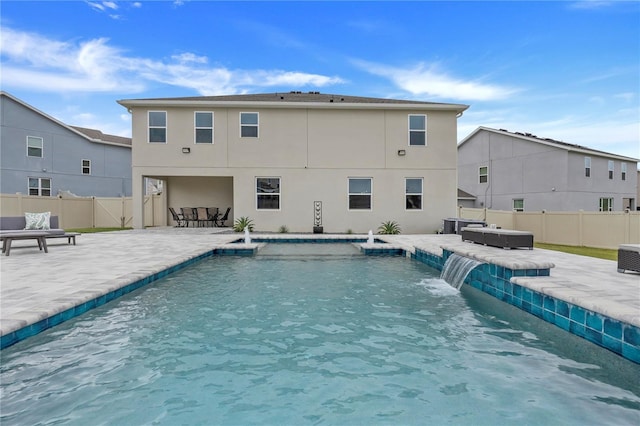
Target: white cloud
423,80
34,62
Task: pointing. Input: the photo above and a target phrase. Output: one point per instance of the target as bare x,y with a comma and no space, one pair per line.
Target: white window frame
87,167
623,171
518,209
609,204
38,141
417,131
485,174
611,168
407,193
587,166
41,189
257,125
149,126
196,127
349,194
279,193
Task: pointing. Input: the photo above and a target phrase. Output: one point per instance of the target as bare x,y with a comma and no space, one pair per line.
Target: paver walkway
35,285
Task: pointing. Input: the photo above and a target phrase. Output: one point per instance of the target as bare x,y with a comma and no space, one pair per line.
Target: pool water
303,334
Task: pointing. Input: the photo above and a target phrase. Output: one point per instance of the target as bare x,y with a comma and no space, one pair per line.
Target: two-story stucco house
520,171
42,156
287,159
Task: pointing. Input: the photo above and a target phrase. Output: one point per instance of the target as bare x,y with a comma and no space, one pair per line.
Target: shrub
389,227
283,229
241,223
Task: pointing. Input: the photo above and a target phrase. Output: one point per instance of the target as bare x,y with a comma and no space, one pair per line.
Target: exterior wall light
402,152
186,150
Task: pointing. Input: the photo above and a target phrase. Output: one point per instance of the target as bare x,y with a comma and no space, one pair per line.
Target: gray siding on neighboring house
545,174
64,148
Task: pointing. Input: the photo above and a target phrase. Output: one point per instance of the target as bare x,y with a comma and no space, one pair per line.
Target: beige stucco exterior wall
314,151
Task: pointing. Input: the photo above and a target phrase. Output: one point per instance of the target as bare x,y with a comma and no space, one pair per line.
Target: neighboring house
522,172
273,157
40,155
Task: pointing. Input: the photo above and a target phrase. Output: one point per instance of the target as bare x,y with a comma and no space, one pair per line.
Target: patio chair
223,218
178,218
189,215
202,216
212,214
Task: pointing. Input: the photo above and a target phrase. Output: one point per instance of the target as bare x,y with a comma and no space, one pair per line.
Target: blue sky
567,70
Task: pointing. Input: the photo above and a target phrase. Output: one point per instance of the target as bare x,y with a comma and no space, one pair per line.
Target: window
483,174
413,193
610,169
359,193
248,124
518,205
204,127
158,126
418,130
268,193
623,171
34,146
606,204
587,166
40,186
86,167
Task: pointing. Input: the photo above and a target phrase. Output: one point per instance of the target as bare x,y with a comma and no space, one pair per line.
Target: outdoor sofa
629,257
13,228
503,238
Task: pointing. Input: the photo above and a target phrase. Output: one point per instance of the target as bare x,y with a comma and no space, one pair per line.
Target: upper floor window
606,204
623,171
610,169
518,205
417,129
158,126
204,127
483,174
86,167
268,193
360,193
40,186
34,146
248,124
413,193
587,166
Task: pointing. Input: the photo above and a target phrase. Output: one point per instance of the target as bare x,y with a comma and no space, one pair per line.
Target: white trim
279,193
41,147
370,194
82,167
257,125
421,179
409,129
195,128
165,127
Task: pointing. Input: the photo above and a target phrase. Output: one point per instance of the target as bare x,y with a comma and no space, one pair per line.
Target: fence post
580,228
544,226
60,207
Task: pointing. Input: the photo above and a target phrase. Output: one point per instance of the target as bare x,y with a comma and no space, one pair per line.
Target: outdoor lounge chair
223,218
178,218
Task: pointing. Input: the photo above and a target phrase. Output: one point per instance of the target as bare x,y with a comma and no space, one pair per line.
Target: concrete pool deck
35,286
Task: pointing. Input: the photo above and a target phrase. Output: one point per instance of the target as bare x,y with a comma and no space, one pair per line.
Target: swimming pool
325,336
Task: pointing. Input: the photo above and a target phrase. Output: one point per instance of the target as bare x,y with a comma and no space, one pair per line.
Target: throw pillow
39,221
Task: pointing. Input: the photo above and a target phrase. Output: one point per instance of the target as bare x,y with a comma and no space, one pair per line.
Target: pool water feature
329,337
456,268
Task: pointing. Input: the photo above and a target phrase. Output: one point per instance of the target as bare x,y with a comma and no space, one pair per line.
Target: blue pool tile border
16,336
617,336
